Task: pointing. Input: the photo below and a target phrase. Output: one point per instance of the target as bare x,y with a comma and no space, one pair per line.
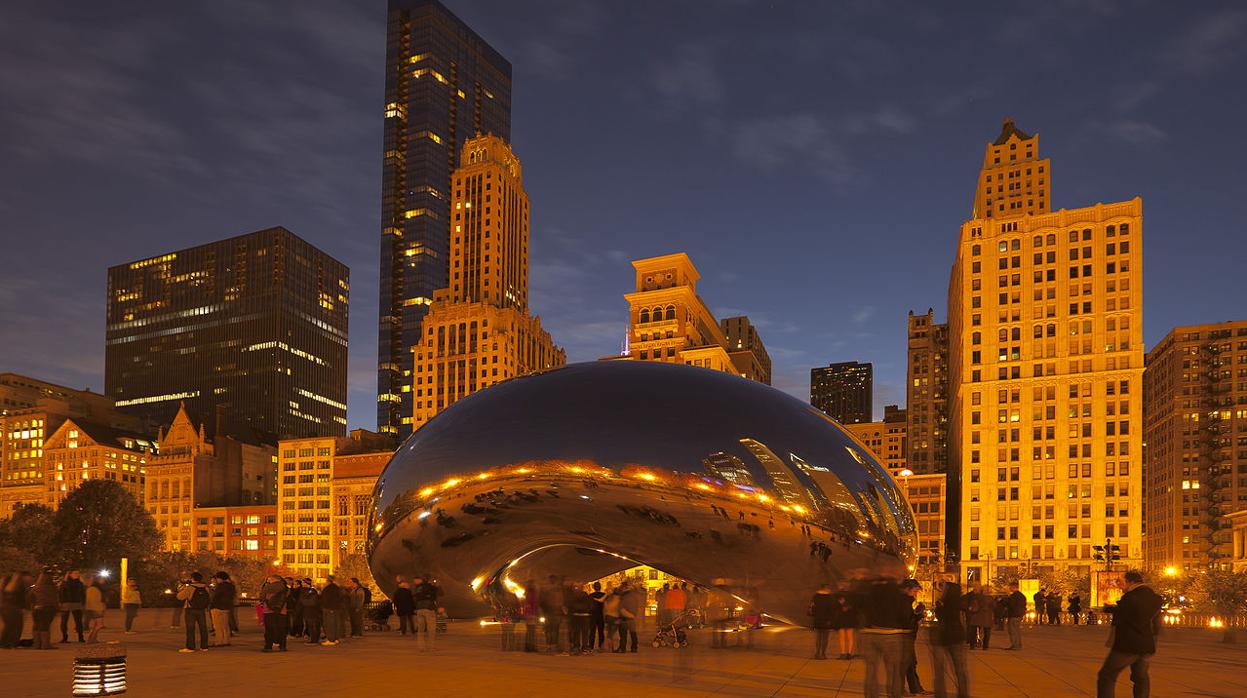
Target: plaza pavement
1056,661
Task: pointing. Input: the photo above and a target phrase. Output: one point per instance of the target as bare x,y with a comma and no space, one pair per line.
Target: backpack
199,599
367,595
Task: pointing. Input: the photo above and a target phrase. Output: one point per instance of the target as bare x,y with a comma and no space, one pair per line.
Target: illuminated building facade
669,322
443,85
742,336
246,531
478,331
887,440
79,450
1045,372
306,501
926,394
256,324
1238,535
1195,427
844,391
928,498
192,470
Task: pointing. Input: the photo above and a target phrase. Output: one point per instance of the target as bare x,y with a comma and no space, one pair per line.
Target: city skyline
858,158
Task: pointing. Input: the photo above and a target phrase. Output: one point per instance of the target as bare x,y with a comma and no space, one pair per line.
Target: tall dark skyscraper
843,391
255,324
443,85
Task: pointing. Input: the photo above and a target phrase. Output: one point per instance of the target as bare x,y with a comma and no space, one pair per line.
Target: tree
356,566
99,523
1221,592
27,539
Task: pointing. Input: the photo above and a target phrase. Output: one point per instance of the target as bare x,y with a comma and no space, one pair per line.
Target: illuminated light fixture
483,476
785,507
702,486
577,469
523,471
451,482
906,472
424,515
378,527
798,508
104,574
648,477
426,491
763,497
476,583
103,675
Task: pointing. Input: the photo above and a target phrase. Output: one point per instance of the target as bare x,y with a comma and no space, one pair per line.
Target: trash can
100,670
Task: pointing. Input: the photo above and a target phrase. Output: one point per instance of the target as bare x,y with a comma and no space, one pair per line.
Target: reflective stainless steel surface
592,468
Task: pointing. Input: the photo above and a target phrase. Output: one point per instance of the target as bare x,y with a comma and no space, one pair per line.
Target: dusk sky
814,159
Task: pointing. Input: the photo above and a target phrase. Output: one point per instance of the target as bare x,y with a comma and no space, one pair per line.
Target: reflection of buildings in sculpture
783,479
669,322
839,501
728,467
478,331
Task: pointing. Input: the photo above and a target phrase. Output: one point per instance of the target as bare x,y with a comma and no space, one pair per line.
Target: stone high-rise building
844,391
1194,395
926,394
443,86
478,331
255,324
1045,371
669,322
887,440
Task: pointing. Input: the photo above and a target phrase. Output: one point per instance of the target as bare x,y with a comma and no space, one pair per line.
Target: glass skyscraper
255,324
443,85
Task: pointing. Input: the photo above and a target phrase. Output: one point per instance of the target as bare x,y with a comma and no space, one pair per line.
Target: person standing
822,611
1040,608
579,613
1053,602
425,594
845,619
631,606
331,603
918,611
675,601
554,609
44,599
93,607
294,611
221,607
597,618
309,602
273,596
948,643
1075,606
886,610
356,600
131,602
979,617
195,599
1136,621
12,601
404,607
660,606
530,608
73,595
1017,609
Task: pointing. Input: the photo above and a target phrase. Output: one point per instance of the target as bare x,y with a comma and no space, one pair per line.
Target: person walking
93,607
553,609
44,600
887,612
979,610
948,643
131,602
822,611
530,608
631,608
845,619
313,614
294,611
12,602
221,607
1053,603
356,600
331,603
1136,621
1017,610
273,596
597,618
196,599
404,607
918,611
1075,606
425,594
73,596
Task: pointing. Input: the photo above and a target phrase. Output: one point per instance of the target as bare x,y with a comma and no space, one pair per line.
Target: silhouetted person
1053,602
1136,620
73,596
273,595
948,643
1016,611
822,612
404,607
1075,606
911,587
1039,607
887,613
597,618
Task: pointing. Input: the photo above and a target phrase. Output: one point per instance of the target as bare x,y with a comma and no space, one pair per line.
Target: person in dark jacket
44,600
309,601
294,612
221,606
356,600
404,606
597,619
1017,610
579,617
911,587
1075,606
1039,607
1053,602
331,602
13,591
948,643
1136,621
887,612
273,595
822,612
73,596
978,608
424,593
846,619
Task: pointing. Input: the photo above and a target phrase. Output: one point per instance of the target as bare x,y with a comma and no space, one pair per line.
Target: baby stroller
672,634
379,617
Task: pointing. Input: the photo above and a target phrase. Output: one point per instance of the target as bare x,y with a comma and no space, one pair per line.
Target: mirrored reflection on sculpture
593,468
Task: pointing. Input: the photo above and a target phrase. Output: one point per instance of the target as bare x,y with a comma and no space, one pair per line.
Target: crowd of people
878,619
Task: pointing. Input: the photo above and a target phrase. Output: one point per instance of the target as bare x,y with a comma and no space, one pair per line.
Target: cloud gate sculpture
594,468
